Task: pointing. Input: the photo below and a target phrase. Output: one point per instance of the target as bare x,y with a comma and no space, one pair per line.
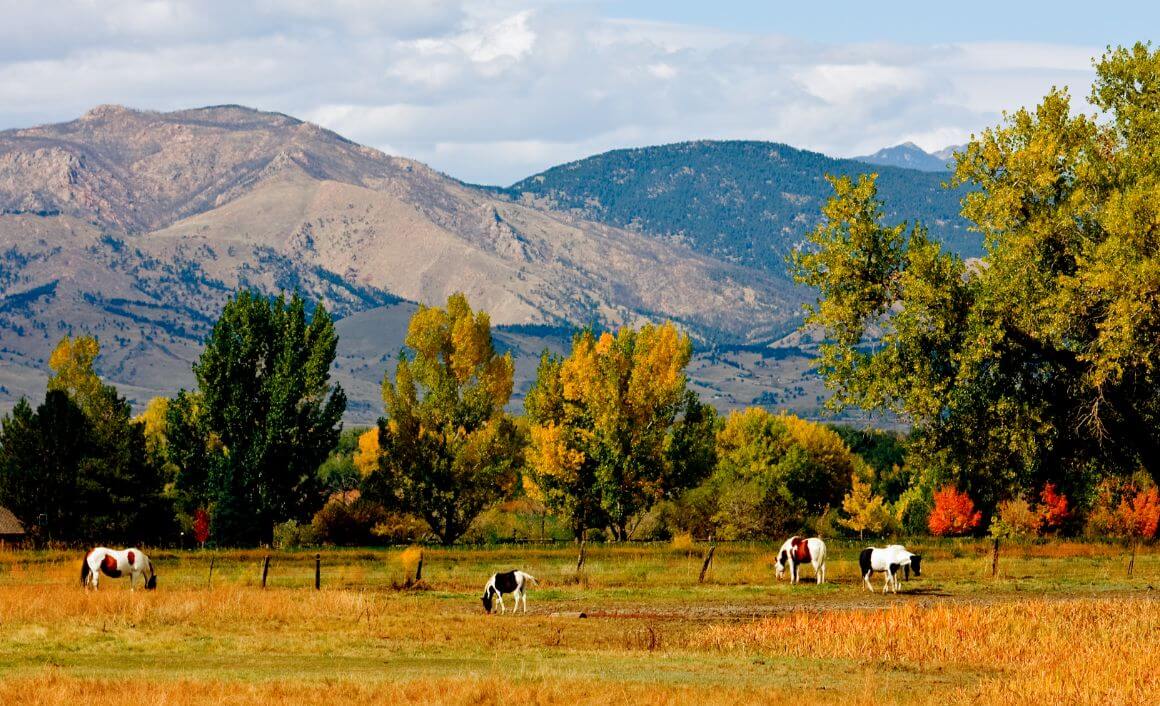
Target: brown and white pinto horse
116,563
798,550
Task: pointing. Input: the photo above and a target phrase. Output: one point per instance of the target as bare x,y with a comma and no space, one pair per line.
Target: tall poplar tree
264,417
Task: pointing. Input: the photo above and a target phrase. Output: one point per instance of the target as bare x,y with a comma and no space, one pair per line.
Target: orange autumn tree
954,513
1138,514
1053,509
604,423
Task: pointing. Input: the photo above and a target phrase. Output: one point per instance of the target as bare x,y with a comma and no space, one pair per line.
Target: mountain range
910,156
136,226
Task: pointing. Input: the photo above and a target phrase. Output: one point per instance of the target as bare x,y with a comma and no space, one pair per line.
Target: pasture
1062,623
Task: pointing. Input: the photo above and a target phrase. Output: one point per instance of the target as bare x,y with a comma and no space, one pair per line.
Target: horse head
487,599
916,564
151,582
780,564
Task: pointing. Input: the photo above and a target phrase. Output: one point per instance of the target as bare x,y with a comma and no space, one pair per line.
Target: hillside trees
265,415
1039,363
613,428
447,448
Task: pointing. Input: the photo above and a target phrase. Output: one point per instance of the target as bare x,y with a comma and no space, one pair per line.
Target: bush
400,528
1016,519
349,524
291,535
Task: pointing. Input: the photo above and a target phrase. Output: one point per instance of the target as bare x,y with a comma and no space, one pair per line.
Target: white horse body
514,582
797,551
115,563
889,561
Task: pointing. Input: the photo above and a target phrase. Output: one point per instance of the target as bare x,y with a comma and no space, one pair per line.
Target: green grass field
652,634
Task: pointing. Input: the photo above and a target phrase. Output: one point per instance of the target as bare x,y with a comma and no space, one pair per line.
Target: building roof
9,525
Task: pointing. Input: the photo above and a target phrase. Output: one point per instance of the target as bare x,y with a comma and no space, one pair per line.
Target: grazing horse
797,550
116,563
888,561
508,582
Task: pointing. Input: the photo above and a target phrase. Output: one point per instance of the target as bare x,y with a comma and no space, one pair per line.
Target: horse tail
85,571
531,578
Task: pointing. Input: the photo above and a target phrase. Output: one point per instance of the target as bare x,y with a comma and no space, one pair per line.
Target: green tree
1039,362
265,416
41,452
80,463
774,472
609,424
448,450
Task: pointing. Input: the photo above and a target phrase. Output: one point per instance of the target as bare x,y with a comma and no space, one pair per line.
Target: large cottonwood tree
614,428
1040,361
447,448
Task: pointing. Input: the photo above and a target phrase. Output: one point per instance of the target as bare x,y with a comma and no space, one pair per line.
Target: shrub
291,535
1016,519
954,513
1053,509
348,525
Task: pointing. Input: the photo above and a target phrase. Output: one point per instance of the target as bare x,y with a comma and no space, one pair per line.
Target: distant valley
136,226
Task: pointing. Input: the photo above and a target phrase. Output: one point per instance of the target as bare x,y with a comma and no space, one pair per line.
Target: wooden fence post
317,572
209,581
708,560
265,569
995,559
419,568
580,558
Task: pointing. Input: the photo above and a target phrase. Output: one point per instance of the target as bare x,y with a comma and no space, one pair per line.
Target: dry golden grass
1066,625
1034,651
55,688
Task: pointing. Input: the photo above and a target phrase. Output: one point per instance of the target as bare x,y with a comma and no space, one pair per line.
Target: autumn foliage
1053,509
1139,514
954,513
201,526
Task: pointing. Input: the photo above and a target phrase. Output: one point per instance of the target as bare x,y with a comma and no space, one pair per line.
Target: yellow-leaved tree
613,427
447,448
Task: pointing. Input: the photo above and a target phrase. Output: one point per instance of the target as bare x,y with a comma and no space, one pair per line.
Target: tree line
1028,377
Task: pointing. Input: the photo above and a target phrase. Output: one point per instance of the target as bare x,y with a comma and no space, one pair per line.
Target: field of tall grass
1062,623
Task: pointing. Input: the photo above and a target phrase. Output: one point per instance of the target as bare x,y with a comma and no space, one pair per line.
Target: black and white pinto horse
514,582
890,561
796,551
116,563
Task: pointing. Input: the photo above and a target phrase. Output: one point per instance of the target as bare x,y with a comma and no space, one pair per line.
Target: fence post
317,572
419,568
580,558
265,569
209,581
708,560
995,559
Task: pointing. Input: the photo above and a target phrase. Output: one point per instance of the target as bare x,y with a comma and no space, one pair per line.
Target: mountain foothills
136,226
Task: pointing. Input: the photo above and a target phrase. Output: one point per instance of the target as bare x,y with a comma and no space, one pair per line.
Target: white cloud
493,90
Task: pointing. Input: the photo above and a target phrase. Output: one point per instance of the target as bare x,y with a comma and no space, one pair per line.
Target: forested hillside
749,202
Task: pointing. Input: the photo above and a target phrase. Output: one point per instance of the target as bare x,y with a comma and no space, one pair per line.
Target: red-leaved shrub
954,513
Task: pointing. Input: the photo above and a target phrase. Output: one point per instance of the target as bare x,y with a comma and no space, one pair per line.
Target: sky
491,92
